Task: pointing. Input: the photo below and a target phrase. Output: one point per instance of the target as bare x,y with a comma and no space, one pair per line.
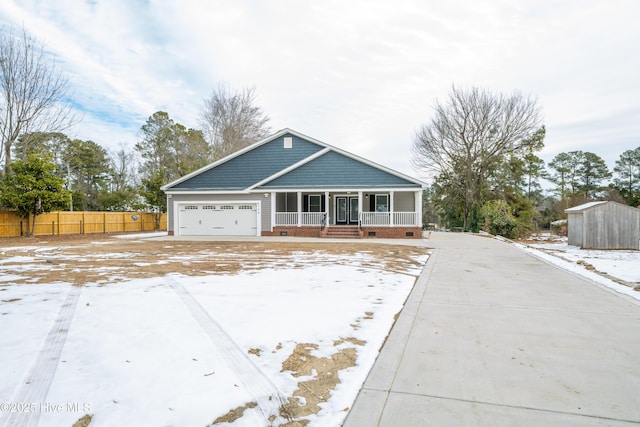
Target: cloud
362,75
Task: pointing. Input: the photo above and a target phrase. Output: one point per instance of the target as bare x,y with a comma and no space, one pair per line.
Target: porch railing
306,218
405,218
286,218
374,218
368,219
312,218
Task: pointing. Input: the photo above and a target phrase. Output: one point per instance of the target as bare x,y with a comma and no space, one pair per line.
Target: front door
346,210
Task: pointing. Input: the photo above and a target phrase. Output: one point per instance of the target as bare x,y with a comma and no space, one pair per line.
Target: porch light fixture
266,195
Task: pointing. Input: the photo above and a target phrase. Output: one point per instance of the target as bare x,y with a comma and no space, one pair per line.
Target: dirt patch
234,414
105,259
301,363
352,340
255,351
83,422
586,265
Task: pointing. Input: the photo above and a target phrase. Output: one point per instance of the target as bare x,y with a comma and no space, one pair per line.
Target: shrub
498,219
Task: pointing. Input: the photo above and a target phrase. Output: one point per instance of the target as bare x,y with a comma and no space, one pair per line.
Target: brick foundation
365,232
294,231
391,232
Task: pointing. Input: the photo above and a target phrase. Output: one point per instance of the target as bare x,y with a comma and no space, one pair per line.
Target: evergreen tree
592,171
627,176
32,188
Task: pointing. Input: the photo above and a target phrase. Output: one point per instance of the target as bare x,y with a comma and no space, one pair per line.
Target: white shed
604,225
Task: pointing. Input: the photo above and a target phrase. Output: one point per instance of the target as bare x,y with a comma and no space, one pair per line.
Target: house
604,225
292,185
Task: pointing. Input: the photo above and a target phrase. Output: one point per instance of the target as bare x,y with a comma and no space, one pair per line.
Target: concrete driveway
492,336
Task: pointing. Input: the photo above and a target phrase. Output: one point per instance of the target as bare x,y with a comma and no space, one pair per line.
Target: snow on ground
141,235
147,352
180,349
618,270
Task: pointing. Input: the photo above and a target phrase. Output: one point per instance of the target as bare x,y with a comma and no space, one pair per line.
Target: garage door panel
218,219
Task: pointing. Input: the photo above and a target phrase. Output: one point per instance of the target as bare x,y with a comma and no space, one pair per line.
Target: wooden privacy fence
60,223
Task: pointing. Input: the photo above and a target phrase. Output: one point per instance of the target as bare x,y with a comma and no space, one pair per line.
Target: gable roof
309,163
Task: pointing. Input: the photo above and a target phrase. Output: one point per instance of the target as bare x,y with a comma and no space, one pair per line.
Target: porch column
299,205
326,208
418,207
391,208
273,210
359,206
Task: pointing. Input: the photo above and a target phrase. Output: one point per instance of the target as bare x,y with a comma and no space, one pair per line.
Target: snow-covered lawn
168,334
618,270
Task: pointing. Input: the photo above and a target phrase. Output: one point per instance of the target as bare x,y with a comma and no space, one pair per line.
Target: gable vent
288,142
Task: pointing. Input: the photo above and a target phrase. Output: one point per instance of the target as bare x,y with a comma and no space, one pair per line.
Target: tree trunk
7,157
33,226
28,228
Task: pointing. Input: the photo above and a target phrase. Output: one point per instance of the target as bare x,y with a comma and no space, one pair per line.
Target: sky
360,75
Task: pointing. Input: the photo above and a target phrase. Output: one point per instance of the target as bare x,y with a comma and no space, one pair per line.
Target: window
208,207
315,203
226,207
190,207
288,142
245,207
382,203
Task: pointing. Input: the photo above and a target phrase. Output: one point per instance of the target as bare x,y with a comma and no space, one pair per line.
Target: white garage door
218,219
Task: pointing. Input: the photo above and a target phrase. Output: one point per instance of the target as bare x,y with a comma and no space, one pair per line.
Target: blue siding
252,166
336,170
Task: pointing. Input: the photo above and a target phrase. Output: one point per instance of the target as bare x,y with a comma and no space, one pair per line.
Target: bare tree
231,121
469,136
123,168
32,91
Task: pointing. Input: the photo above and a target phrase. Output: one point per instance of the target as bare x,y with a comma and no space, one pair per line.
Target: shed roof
584,206
308,163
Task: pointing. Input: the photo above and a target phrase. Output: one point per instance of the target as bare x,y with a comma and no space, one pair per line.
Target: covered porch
363,209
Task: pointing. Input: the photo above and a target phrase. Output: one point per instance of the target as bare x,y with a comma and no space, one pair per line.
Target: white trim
391,210
356,157
177,192
290,168
417,204
226,159
176,211
292,190
332,190
348,196
273,211
360,199
326,208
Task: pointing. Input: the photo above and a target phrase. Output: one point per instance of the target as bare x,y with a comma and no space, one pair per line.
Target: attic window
288,142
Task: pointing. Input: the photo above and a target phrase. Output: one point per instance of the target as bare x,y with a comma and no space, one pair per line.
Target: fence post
104,222
81,231
21,234
53,228
142,225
